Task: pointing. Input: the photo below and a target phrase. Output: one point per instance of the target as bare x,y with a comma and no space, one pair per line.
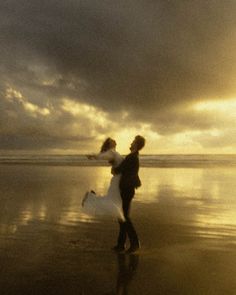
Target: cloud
149,62
27,126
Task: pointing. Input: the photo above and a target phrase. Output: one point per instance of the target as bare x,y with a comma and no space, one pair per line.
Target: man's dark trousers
127,228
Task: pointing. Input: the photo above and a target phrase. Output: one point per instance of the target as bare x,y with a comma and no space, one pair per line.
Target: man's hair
140,140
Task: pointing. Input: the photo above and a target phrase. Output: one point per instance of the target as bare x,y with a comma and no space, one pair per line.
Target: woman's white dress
111,203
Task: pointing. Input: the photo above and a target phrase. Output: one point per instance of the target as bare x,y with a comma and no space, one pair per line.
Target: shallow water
185,219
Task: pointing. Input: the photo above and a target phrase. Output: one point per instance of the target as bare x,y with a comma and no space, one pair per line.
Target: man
128,183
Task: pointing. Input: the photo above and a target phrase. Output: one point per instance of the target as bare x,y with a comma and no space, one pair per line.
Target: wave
145,160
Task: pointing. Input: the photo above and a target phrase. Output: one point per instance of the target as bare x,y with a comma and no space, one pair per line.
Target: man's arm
129,165
121,168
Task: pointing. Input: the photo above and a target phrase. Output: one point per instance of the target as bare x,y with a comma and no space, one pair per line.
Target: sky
75,72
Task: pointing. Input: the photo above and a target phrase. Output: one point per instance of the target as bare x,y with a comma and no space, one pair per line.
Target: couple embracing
121,191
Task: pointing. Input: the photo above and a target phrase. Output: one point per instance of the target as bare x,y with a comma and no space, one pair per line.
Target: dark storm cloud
146,57
23,130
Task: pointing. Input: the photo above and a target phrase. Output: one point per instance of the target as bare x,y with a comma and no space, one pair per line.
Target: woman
111,203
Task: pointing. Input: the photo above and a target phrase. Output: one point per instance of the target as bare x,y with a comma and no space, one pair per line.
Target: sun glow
125,137
228,106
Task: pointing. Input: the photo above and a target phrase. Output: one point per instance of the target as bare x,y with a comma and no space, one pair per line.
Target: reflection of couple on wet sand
121,191
126,272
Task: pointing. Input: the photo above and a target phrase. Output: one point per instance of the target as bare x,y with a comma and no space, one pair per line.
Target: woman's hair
106,145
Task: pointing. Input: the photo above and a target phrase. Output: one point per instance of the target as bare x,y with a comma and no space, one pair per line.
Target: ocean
169,160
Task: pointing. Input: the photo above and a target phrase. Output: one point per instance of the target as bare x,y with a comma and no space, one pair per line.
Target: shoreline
161,164
152,161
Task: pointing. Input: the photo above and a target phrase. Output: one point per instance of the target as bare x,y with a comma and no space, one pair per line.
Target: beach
185,218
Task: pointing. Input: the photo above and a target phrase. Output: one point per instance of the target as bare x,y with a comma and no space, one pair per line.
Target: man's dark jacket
129,172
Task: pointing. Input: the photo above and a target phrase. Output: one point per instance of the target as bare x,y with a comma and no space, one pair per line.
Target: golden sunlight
227,106
32,109
81,110
125,137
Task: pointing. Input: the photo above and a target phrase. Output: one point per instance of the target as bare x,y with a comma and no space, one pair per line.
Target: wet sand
185,219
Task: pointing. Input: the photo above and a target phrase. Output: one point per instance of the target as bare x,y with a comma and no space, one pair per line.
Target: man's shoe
133,249
118,249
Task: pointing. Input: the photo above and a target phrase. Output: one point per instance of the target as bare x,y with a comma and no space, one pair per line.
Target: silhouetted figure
128,183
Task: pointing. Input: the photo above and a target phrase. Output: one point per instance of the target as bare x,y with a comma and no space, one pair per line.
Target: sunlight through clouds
125,136
31,108
118,71
84,110
226,107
